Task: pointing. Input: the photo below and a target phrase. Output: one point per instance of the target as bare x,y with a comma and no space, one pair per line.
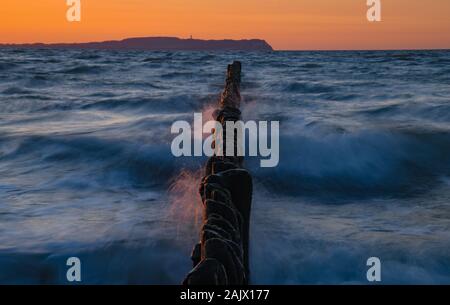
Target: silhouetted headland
160,44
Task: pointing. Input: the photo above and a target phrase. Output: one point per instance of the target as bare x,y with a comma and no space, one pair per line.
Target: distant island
160,44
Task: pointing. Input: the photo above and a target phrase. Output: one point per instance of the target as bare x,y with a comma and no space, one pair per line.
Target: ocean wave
88,56
164,105
307,87
83,69
173,75
311,66
369,163
156,261
433,113
153,60
339,96
16,90
113,160
4,66
364,167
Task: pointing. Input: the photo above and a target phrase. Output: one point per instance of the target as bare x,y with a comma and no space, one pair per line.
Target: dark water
86,168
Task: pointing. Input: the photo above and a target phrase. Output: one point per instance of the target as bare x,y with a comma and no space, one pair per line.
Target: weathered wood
222,256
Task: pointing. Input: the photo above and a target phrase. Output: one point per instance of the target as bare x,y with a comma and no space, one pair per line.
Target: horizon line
223,39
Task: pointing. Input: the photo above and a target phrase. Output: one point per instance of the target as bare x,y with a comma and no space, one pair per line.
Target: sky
285,24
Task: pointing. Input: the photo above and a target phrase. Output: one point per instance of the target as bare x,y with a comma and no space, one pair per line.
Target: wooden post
222,256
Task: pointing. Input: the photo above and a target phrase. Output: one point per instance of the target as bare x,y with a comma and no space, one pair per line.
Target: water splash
185,207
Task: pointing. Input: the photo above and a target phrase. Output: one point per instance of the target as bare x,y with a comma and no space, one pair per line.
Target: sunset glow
285,24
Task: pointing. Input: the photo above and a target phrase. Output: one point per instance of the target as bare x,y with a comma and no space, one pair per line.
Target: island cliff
160,44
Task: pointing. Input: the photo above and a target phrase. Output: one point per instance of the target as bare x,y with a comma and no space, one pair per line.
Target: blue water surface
86,168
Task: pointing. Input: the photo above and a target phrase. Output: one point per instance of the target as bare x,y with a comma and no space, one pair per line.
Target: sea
86,168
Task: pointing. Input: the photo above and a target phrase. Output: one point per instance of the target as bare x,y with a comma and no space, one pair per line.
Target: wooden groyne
222,256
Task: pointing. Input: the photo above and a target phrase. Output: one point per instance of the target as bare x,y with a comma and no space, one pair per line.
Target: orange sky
285,24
